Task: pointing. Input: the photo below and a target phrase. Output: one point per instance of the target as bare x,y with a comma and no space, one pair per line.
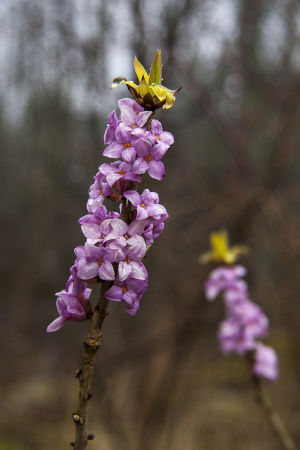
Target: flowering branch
244,324
116,243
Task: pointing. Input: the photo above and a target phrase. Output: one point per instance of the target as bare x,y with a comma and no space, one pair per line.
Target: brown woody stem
85,374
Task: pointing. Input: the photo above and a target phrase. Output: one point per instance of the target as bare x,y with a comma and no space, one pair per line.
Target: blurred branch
173,17
230,131
139,39
250,17
273,417
283,148
291,33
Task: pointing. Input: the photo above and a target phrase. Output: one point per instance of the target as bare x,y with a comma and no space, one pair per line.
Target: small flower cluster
245,321
114,249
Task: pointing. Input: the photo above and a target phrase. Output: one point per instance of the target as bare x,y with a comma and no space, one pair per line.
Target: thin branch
85,374
273,417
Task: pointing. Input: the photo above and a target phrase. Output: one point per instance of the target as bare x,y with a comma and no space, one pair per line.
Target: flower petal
167,138
122,135
159,150
140,166
141,213
106,271
90,230
129,297
114,294
128,115
138,270
156,210
142,118
124,270
156,170
143,147
156,127
137,247
129,154
87,270
113,150
56,324
113,177
133,197
136,227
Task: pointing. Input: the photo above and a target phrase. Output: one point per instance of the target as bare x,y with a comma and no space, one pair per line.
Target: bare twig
85,374
273,417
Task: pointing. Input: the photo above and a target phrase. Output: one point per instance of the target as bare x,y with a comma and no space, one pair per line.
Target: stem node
77,418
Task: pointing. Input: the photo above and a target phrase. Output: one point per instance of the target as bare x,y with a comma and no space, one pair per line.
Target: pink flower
266,362
151,154
96,261
162,138
146,204
122,146
112,124
130,291
133,116
72,304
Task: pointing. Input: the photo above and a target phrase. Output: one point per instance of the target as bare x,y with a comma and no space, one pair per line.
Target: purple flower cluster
245,321
114,250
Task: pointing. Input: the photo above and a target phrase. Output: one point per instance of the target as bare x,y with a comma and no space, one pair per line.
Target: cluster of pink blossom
245,321
114,249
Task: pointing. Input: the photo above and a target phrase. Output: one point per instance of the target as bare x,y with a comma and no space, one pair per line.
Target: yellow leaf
155,70
221,252
206,257
117,81
170,99
128,83
143,88
219,243
140,70
159,91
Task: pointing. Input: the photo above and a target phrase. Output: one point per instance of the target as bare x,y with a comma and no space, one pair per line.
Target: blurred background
161,382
